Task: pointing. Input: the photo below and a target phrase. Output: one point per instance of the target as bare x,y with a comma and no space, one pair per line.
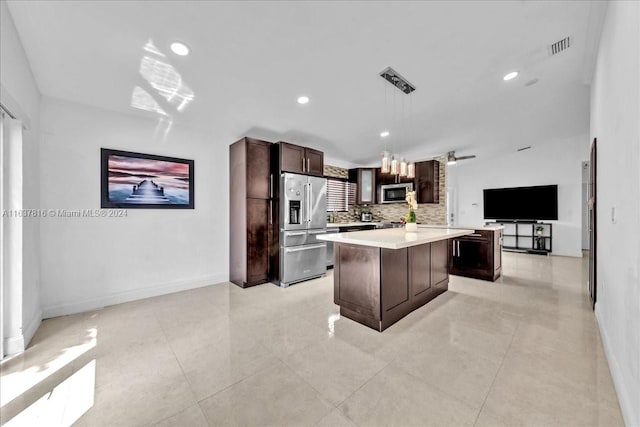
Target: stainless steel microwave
395,193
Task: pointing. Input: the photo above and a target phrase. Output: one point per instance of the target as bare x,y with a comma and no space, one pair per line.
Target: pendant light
386,162
395,167
411,170
389,162
403,167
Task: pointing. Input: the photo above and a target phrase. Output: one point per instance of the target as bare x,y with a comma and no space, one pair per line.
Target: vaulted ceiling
250,61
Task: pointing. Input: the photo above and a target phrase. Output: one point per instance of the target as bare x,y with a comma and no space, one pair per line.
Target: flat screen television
522,203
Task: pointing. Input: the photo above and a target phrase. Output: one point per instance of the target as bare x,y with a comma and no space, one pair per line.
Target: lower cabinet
257,241
477,255
379,286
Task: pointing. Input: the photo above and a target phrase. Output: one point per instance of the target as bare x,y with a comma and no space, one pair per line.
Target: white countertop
351,224
376,223
395,238
481,227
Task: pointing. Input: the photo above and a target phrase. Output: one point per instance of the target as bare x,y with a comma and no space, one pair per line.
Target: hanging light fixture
403,167
386,162
411,170
395,167
390,163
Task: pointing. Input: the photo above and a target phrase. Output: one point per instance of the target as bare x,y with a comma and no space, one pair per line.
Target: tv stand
527,236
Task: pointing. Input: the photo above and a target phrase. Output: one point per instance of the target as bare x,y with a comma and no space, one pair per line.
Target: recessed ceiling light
512,75
303,100
180,48
384,133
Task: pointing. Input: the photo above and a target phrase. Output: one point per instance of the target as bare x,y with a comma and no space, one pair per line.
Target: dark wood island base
377,286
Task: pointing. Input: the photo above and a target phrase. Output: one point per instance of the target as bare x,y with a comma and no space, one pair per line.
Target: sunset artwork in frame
136,180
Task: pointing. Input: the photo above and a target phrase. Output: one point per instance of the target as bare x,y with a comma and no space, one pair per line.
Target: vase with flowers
410,217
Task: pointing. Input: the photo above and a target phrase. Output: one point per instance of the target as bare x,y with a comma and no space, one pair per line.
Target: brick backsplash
336,172
427,213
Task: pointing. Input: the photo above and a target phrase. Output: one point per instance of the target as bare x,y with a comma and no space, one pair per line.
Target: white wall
20,94
554,162
92,262
615,122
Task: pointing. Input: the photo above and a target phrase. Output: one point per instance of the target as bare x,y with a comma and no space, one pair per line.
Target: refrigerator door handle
304,248
309,202
317,232
271,186
295,233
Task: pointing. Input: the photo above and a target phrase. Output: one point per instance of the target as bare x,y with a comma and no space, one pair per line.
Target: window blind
337,193
352,189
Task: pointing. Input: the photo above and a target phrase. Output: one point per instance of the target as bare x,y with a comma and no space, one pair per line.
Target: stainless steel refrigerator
303,216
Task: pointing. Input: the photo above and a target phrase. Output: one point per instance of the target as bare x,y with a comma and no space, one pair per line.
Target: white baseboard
132,295
13,345
31,328
630,412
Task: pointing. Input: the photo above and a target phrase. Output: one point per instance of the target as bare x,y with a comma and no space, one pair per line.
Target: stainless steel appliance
394,193
330,246
303,214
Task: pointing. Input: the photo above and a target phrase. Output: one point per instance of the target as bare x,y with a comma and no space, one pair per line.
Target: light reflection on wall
165,86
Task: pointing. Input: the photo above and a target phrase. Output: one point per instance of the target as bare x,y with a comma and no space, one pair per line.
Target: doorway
11,338
593,226
586,175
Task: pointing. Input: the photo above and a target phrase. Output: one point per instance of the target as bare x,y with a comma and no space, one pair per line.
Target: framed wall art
136,180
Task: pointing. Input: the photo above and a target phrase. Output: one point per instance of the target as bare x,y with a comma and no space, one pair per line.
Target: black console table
529,237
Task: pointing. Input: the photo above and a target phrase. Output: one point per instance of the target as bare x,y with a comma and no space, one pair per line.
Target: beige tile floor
524,350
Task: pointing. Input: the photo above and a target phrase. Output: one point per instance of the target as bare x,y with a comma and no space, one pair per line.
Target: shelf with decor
529,237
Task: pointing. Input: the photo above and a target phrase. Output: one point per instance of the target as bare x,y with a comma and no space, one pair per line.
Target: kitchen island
380,276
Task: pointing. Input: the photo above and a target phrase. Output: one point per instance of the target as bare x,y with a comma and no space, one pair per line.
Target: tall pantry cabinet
250,211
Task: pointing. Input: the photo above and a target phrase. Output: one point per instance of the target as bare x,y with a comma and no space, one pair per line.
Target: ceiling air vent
393,77
560,46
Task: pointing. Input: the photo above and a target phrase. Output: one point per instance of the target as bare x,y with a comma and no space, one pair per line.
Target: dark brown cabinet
477,255
420,272
297,159
440,265
379,286
250,211
427,181
257,241
387,178
315,162
365,179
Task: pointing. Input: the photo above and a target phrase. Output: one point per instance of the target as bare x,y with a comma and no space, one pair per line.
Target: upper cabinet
387,178
297,159
315,162
427,181
366,181
259,179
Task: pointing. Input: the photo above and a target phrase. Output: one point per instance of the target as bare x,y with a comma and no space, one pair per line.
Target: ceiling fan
452,159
